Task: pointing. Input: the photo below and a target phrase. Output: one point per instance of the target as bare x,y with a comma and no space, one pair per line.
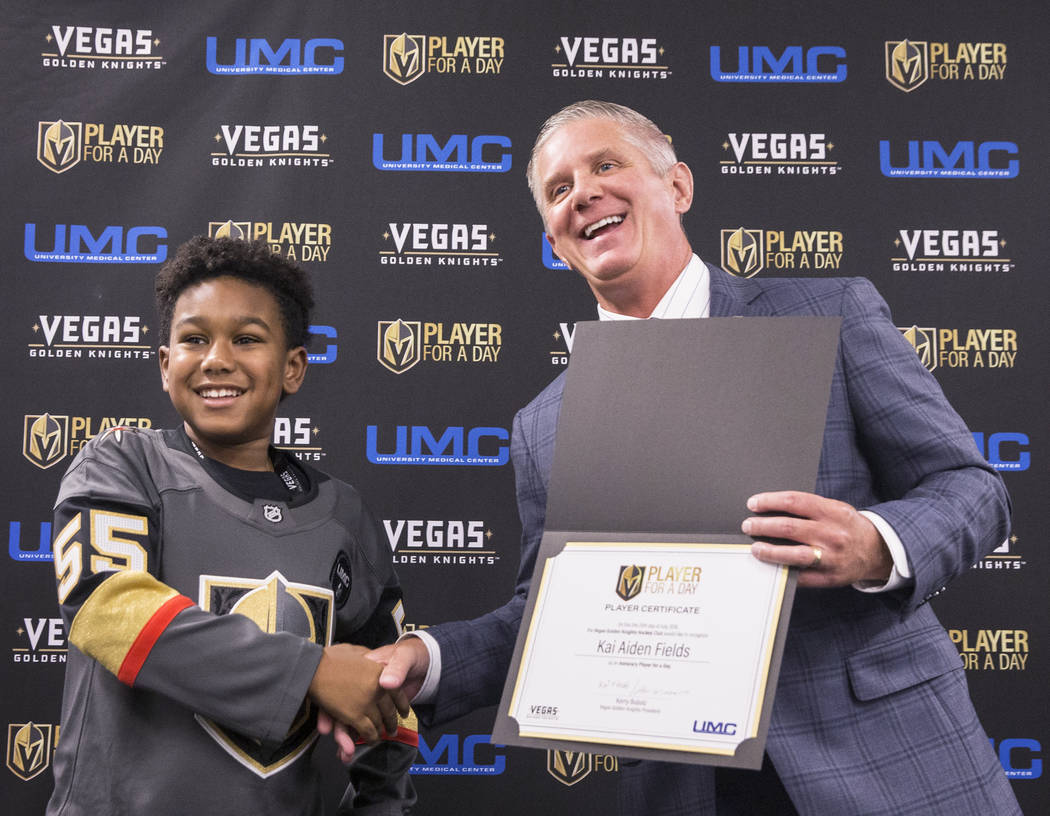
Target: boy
203,574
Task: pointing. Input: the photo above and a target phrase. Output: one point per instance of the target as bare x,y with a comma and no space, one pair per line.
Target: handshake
362,692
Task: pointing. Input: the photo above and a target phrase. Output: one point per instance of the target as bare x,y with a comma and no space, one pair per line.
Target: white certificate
652,645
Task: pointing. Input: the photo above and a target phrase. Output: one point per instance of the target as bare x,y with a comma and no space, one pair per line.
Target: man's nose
586,190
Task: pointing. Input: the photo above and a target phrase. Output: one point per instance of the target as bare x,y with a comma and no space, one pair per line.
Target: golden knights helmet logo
907,64
569,767
59,145
404,57
629,582
925,342
399,346
45,439
241,230
742,252
276,605
29,748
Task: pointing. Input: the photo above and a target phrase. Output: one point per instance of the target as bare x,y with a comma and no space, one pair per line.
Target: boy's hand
346,684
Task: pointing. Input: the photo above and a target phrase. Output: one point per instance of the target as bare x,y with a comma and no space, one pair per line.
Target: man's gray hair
637,129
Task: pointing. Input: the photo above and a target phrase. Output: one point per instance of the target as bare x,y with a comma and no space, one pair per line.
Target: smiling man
872,714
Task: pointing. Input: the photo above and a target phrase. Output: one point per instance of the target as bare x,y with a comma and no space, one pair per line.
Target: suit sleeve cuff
900,575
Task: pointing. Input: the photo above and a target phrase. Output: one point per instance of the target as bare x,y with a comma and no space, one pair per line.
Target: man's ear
162,360
554,249
294,369
682,186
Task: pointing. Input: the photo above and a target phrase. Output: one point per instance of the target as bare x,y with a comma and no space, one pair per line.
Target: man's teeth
597,225
216,393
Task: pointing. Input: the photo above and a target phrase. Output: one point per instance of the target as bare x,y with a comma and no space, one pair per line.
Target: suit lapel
735,296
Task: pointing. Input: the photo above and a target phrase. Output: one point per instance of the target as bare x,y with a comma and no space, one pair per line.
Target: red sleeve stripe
147,636
406,736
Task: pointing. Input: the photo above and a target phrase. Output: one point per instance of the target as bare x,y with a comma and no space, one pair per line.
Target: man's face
227,364
608,214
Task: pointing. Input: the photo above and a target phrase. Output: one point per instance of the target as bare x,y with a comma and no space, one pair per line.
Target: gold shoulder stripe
109,621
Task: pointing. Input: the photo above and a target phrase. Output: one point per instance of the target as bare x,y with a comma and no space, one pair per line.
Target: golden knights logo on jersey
276,605
29,748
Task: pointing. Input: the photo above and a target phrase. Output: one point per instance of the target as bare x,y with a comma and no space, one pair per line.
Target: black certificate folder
645,596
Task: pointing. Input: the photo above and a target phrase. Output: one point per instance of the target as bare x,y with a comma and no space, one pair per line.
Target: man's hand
850,548
406,664
346,685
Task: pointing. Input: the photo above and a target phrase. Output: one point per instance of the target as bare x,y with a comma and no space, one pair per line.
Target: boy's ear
294,369
162,360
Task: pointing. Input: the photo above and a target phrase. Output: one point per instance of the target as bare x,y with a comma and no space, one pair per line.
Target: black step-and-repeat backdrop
383,145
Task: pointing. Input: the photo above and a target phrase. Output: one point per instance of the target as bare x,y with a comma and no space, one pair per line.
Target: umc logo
795,64
727,729
930,159
29,748
292,56
629,581
76,243
907,64
416,445
444,757
398,344
742,252
59,145
461,153
993,450
1007,749
331,350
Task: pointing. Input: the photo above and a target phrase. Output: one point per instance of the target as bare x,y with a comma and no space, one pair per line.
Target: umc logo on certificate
629,582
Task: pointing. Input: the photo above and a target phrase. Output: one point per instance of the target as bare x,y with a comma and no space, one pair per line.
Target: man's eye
559,191
606,166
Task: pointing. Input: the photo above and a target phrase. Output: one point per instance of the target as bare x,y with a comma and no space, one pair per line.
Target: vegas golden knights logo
45,439
742,252
276,605
29,748
925,344
241,230
629,583
404,57
907,64
59,145
569,767
399,347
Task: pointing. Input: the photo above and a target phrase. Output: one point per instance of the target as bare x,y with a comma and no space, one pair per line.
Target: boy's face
226,366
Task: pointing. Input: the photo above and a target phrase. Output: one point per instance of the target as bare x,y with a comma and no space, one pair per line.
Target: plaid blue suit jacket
872,713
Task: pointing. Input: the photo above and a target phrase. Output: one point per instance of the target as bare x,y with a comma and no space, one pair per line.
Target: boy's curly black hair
202,258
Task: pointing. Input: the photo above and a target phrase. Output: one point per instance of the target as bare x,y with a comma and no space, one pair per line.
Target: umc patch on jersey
276,605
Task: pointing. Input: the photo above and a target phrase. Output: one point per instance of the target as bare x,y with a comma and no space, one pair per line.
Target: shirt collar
688,296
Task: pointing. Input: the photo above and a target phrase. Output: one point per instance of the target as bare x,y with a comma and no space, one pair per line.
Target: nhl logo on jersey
276,605
273,512
29,747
